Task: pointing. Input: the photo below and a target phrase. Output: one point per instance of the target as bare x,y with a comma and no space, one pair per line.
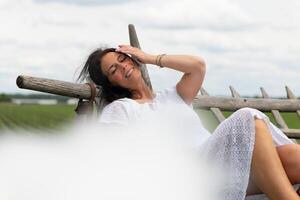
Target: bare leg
290,158
267,172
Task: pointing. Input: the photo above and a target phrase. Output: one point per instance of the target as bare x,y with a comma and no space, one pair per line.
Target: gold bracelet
158,60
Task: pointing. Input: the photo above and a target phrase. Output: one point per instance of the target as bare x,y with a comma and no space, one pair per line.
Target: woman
259,157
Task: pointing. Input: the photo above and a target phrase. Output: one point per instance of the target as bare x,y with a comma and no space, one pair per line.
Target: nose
123,66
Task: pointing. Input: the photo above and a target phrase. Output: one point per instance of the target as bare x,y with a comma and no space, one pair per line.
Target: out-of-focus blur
90,161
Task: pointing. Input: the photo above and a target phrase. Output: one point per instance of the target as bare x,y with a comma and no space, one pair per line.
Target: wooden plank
278,118
135,43
292,133
234,93
218,114
291,95
52,86
216,111
232,104
204,92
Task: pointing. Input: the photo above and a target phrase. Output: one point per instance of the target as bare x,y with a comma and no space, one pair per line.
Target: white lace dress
230,145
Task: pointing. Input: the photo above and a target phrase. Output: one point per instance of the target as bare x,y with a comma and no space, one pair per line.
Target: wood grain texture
292,133
233,104
278,118
135,43
216,111
291,95
234,93
81,91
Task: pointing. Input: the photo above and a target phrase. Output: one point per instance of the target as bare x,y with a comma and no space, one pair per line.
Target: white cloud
53,39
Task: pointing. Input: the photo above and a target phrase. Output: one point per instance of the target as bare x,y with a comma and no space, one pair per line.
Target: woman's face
120,70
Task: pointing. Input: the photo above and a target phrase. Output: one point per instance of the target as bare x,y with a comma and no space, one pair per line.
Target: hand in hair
136,53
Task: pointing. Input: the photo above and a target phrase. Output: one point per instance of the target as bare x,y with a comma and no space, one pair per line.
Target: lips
128,73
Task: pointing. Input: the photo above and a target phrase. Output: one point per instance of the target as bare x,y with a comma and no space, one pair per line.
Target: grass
34,116
50,117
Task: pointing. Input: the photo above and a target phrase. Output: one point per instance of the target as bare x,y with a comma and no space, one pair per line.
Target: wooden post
290,95
275,113
216,111
234,93
135,43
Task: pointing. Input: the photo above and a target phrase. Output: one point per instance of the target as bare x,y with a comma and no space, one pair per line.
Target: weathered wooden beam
135,43
234,93
216,111
52,86
292,133
278,118
291,95
232,104
204,92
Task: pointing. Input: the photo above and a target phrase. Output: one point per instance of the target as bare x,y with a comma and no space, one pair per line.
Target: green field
35,116
55,116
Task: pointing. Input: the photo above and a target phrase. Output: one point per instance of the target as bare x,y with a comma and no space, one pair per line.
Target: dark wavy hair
92,69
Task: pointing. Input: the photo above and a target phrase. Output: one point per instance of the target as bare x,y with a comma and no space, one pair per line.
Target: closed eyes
113,69
121,58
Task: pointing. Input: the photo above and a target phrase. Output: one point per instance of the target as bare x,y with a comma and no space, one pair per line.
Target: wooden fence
265,104
203,101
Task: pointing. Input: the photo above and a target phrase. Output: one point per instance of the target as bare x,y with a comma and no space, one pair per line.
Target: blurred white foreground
90,162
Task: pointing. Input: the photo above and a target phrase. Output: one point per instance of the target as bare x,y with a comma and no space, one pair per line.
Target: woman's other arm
194,72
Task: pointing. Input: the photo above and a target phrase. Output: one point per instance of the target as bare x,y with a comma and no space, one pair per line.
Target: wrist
158,60
151,59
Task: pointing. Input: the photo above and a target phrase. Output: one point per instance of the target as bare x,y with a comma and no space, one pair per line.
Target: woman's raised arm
193,68
194,71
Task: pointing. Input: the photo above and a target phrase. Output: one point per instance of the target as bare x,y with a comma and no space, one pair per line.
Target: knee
249,110
244,114
245,111
254,113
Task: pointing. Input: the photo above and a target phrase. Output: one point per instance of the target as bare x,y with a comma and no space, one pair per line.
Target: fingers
126,49
129,50
136,53
123,47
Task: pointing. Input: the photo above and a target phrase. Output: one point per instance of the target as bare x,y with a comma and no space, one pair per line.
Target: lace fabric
231,146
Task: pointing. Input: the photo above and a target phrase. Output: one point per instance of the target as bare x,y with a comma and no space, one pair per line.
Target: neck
142,92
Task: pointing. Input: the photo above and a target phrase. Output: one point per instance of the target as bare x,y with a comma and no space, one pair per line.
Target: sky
246,44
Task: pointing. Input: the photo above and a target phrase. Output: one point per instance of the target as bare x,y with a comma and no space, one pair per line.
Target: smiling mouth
129,72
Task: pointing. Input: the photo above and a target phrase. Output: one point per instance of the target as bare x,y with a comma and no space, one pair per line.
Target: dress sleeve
115,113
